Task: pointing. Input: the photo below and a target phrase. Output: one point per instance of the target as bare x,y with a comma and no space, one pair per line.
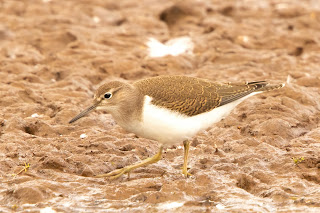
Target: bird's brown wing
237,91
192,96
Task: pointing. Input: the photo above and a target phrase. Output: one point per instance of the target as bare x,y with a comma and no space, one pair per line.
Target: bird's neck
130,110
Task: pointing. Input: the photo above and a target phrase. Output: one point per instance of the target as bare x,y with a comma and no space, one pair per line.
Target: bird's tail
264,86
270,87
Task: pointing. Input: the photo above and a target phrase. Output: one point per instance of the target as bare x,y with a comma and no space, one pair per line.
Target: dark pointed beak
83,113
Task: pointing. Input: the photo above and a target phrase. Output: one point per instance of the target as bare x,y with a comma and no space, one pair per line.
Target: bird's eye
107,95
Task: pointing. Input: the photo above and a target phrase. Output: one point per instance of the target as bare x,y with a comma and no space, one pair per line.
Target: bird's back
192,96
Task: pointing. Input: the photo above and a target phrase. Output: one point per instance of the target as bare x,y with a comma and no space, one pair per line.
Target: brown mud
54,54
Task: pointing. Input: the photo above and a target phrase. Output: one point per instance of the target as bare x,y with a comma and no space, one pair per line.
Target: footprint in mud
54,42
181,11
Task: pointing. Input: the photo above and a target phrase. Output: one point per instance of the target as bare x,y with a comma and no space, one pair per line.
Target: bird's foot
115,174
186,173
126,170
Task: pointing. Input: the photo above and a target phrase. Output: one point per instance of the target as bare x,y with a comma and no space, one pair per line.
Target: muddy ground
54,54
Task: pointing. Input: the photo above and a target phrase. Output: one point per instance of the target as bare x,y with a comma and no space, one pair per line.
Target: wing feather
192,96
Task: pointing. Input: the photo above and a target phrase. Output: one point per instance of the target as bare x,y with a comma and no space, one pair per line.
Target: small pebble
35,115
82,136
96,19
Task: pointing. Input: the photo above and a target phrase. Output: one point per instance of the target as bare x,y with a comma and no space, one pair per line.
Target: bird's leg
118,172
186,145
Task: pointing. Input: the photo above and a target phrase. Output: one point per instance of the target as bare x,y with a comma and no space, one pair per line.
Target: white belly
169,127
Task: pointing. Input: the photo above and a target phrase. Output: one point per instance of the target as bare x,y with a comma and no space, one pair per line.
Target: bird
169,109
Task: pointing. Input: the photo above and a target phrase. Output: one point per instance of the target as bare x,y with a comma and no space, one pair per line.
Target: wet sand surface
54,54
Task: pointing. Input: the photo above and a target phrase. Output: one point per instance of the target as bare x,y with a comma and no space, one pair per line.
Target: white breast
170,127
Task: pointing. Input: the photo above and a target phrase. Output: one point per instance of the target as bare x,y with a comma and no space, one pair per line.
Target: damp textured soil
263,157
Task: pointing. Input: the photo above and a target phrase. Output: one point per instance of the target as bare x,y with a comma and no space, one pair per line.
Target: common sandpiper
170,109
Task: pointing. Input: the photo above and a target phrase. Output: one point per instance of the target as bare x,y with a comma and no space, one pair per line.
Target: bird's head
109,97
